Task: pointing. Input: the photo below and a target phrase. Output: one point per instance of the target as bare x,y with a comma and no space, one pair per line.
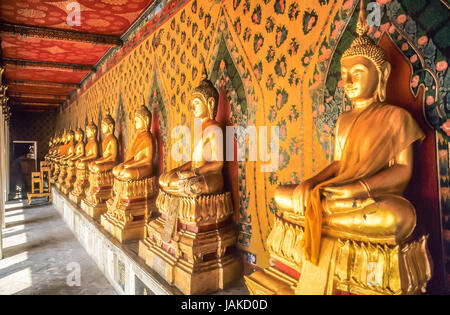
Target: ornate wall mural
275,60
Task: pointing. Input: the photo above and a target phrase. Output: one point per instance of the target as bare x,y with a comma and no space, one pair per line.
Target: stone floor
42,256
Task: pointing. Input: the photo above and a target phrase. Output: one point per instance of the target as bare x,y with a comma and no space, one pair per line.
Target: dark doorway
23,163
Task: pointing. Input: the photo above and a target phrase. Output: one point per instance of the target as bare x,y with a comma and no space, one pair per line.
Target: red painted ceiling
13,72
45,61
42,90
111,17
52,50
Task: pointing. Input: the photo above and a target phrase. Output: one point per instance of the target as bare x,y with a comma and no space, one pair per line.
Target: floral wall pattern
268,56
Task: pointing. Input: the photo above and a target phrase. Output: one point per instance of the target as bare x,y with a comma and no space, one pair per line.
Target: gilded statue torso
91,148
108,146
139,146
206,149
79,149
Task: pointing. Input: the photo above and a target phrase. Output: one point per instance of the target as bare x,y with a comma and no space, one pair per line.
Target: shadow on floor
38,248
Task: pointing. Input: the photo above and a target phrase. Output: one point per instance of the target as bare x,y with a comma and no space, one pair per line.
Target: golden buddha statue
134,187
199,177
54,158
71,162
194,209
51,147
354,208
100,172
90,154
69,153
60,147
139,164
110,148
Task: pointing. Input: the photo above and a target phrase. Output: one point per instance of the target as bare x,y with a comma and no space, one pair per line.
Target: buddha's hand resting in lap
302,194
185,174
353,190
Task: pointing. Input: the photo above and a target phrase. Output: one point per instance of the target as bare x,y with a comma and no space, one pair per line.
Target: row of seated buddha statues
348,228
135,186
91,153
96,173
183,219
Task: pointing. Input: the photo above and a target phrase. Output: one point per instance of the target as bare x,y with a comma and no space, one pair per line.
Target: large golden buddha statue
100,172
191,243
134,188
69,153
349,227
199,177
71,162
90,154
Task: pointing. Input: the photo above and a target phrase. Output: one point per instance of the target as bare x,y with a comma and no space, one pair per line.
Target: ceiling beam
35,95
39,90
50,33
36,104
47,64
19,108
42,84
34,100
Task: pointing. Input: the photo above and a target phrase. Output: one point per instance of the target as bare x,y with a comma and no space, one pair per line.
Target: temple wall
270,57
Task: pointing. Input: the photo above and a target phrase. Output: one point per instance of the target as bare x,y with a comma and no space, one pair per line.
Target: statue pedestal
133,202
192,245
80,186
99,191
62,176
352,267
67,186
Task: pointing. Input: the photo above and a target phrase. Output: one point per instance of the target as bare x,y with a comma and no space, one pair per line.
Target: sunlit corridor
41,256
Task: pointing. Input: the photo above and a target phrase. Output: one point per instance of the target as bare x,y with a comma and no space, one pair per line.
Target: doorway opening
23,163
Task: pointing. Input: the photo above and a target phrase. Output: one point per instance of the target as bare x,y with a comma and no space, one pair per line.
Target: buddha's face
139,122
78,136
90,133
105,128
199,107
360,77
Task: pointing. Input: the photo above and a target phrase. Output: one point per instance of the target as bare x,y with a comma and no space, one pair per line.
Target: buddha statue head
79,135
70,136
91,131
142,118
108,125
364,67
64,137
205,98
